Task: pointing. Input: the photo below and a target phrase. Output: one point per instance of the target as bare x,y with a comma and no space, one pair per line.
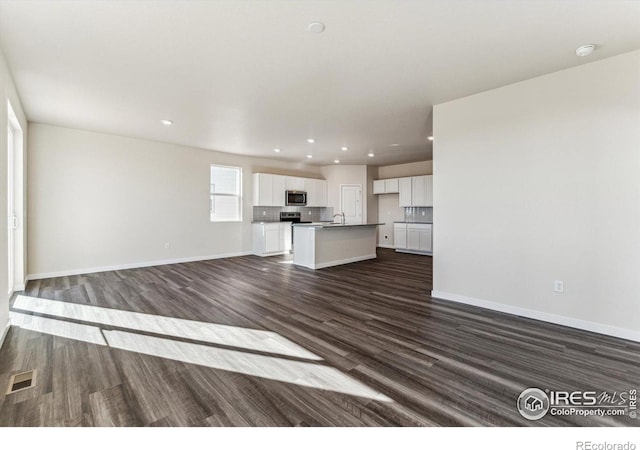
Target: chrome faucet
341,217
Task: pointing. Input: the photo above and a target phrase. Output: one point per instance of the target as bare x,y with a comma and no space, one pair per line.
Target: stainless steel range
286,216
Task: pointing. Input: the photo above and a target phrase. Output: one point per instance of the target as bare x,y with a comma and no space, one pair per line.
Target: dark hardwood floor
356,345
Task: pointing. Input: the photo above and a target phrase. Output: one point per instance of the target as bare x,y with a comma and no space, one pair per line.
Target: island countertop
331,225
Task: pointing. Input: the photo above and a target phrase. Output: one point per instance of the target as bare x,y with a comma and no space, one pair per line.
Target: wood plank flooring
259,342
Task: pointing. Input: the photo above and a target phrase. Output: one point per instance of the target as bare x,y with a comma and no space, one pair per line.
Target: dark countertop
260,222
326,225
402,221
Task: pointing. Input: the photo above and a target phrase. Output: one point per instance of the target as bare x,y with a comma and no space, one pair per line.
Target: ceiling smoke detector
166,122
585,50
316,27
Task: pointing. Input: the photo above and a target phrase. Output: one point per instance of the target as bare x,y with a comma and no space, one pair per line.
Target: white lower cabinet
400,235
271,238
413,237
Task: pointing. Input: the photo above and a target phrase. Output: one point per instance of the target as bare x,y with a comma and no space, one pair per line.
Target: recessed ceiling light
311,140
316,27
394,145
277,150
344,149
371,155
166,122
585,50
337,161
430,138
309,156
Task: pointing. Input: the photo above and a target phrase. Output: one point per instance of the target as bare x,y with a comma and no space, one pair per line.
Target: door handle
12,222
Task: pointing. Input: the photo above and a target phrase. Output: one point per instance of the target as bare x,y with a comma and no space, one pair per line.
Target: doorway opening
15,203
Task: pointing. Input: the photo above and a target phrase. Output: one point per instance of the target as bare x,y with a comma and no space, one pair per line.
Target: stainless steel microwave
296,198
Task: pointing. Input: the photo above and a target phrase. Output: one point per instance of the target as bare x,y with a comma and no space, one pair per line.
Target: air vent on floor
21,381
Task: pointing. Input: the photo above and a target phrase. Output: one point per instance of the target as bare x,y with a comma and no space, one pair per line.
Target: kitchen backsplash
418,214
272,213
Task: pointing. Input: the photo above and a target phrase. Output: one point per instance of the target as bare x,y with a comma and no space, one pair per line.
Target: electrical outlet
558,286
167,245
309,212
424,213
264,213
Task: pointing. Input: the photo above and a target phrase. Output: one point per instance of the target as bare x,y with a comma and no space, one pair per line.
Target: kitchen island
319,245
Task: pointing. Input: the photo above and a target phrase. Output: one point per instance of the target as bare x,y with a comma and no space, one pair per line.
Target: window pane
226,194
225,180
225,208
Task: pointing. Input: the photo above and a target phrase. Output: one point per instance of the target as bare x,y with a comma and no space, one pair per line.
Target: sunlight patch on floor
296,372
246,338
301,373
61,328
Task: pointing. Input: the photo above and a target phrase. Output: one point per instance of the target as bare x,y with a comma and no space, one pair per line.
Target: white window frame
238,195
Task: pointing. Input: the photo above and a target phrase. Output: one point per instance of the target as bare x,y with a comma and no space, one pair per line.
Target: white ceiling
246,77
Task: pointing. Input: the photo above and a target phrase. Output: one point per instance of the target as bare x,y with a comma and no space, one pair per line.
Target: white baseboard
266,255
65,273
344,261
543,316
413,252
386,246
4,332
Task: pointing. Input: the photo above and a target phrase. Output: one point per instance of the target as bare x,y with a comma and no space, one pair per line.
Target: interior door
11,216
351,203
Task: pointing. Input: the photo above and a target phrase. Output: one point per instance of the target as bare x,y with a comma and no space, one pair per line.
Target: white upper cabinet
269,189
294,183
310,188
316,192
389,186
262,189
416,191
278,190
405,189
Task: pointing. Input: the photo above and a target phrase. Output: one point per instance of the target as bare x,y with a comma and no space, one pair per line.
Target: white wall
389,210
345,174
7,93
98,200
540,181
